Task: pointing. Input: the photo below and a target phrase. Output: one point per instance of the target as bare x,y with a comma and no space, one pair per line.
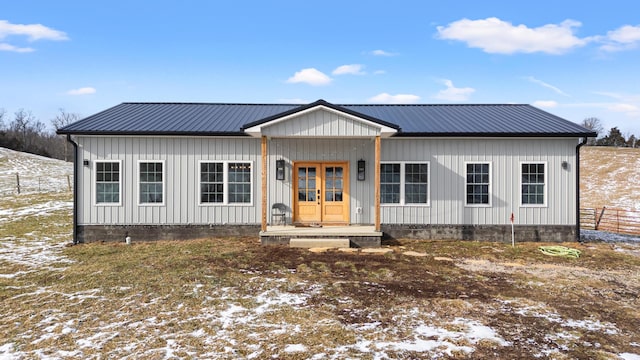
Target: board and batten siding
447,159
181,157
321,123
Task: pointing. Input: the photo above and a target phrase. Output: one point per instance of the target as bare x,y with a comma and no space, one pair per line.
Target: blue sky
575,59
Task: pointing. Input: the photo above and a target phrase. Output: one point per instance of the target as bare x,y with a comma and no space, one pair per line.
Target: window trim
546,184
490,185
164,183
95,183
403,183
225,183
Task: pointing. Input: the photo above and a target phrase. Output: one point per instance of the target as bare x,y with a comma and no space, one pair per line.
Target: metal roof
410,120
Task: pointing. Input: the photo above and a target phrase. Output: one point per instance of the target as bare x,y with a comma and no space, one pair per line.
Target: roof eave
153,133
496,134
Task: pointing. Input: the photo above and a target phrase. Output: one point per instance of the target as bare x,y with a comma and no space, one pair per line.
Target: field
231,298
610,177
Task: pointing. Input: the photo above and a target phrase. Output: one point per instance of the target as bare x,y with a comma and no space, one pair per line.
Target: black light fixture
361,170
565,165
85,162
280,169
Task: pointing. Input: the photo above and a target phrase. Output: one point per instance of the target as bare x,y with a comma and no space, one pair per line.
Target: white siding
181,157
447,158
321,123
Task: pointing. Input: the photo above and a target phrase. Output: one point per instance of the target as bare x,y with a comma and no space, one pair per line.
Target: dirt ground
528,297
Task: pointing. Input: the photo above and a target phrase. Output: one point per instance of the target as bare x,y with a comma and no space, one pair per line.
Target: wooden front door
321,193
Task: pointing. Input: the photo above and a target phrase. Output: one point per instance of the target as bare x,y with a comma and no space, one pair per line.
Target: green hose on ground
560,251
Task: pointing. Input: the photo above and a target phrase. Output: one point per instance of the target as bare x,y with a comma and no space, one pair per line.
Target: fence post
68,179
601,215
18,182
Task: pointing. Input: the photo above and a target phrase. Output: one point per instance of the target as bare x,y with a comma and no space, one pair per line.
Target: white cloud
32,31
382,53
385,98
82,91
9,47
353,69
544,84
493,35
623,38
545,104
452,93
310,76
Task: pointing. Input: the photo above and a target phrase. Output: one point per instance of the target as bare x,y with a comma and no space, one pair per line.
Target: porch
361,236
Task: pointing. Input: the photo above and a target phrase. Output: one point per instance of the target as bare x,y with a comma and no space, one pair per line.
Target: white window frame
490,185
164,182
225,184
546,183
95,183
403,183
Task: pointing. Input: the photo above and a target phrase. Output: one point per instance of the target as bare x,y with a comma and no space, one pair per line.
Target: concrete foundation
499,233
111,233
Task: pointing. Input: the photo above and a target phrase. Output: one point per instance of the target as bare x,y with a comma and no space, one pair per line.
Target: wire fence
18,183
619,221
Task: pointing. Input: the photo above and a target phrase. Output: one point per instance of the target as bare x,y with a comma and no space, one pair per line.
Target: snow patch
629,356
295,348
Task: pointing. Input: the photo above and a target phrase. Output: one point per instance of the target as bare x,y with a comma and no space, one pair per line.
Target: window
239,182
224,182
478,184
415,183
107,182
533,183
404,183
151,178
211,182
390,183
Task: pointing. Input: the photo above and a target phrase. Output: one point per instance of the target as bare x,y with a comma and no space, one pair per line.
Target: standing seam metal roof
410,120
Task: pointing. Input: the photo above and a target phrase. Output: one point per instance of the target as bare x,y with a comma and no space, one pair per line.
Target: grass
231,298
610,177
166,287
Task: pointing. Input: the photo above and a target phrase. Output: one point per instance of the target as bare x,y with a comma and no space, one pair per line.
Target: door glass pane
333,183
307,184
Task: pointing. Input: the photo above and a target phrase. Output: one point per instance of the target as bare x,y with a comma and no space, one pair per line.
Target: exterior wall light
361,170
280,169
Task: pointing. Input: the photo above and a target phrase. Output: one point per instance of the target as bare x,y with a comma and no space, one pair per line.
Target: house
185,170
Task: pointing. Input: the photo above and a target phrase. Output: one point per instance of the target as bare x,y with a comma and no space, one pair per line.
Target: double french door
321,193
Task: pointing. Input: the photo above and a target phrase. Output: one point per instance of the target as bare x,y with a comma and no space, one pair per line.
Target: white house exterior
167,171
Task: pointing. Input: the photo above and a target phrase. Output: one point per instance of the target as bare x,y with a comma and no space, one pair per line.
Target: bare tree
594,124
61,120
3,112
64,118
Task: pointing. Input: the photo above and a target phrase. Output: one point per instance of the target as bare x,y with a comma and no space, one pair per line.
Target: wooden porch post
376,184
264,184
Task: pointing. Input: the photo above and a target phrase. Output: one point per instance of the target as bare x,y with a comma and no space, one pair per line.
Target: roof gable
321,119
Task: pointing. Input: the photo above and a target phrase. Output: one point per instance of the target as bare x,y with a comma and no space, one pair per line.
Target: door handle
318,197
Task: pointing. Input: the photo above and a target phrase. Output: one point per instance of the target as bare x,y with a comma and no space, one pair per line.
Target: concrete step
319,243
